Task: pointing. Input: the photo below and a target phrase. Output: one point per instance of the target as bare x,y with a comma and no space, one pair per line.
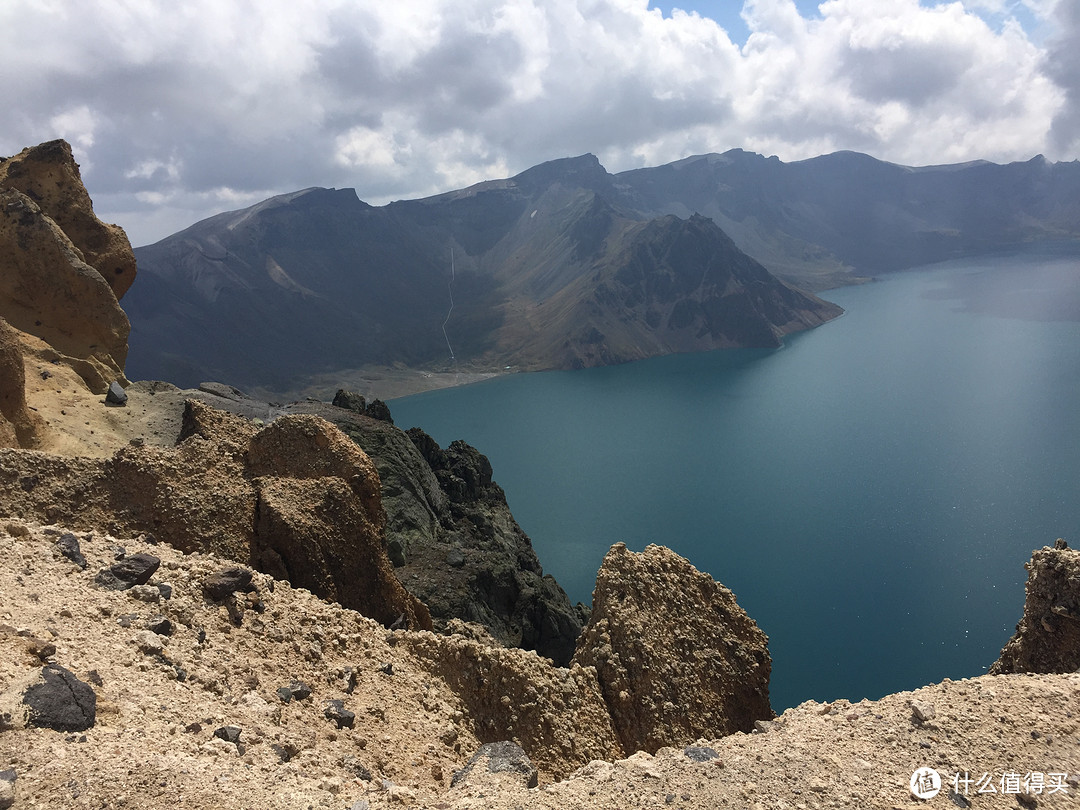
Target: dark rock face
1047,638
61,701
499,581
673,670
499,757
602,280
350,401
461,551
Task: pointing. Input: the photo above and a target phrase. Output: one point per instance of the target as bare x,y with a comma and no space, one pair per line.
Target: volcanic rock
128,572
225,582
1047,638
676,657
68,545
61,701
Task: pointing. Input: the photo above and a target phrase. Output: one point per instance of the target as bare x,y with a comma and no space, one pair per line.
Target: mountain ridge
320,282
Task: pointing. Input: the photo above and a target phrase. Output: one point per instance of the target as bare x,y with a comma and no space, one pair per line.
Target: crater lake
870,491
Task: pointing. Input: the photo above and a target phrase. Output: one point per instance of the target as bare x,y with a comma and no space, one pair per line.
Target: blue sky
728,13
179,111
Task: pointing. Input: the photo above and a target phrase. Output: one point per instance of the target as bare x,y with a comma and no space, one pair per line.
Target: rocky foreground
181,692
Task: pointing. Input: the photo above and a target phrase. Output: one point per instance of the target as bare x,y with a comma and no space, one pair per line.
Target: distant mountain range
564,265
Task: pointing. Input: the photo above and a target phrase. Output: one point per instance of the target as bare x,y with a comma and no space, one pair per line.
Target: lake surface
870,492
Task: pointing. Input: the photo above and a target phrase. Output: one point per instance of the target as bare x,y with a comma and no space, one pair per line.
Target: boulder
1047,638
677,659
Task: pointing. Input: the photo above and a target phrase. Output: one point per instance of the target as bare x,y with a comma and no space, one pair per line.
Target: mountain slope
548,269
819,222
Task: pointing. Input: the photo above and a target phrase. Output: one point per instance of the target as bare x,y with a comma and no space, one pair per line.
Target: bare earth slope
160,698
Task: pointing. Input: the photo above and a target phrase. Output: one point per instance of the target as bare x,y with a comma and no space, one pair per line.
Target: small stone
225,582
360,804
296,690
145,593
128,572
68,544
386,668
166,591
149,643
922,711
116,394
228,733
700,753
61,701
94,678
7,789
193,728
335,710
159,624
455,558
285,751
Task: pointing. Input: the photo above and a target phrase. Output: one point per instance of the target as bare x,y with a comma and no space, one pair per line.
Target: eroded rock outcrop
19,426
676,657
296,499
63,269
452,538
1047,638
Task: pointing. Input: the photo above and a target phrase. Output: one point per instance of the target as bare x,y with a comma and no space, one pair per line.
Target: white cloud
175,103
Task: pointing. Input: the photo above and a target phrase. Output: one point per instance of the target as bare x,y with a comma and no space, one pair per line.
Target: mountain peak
583,170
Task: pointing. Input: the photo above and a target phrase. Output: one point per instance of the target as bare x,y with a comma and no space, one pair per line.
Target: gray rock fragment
116,394
502,757
68,545
335,710
700,753
128,572
7,789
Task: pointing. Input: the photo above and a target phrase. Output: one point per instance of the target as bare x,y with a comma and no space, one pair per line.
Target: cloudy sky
183,109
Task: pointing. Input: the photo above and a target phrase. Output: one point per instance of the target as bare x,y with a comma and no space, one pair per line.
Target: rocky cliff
64,270
1047,637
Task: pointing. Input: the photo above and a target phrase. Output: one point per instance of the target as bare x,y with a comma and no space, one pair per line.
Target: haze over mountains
564,265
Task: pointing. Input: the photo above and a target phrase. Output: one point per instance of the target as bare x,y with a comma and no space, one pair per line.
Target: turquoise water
870,491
